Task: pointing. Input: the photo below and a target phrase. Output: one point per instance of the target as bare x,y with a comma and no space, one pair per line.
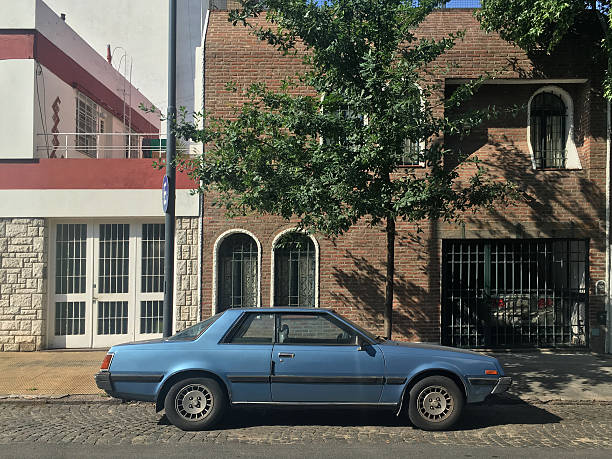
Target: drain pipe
608,331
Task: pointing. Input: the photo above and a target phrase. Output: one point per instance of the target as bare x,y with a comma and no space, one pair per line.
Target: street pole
171,174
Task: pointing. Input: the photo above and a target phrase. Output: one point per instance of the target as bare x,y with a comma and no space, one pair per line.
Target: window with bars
112,317
294,271
152,263
412,154
69,318
114,260
238,272
86,125
548,115
151,316
70,258
513,293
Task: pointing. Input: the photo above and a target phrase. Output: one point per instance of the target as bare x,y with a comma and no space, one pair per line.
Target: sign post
169,184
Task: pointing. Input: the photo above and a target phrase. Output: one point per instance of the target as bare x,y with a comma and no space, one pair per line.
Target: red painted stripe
76,76
90,174
17,46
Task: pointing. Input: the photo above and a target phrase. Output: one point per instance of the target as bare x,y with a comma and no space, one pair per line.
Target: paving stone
567,426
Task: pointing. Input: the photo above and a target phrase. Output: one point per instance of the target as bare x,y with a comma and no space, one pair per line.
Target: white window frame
572,159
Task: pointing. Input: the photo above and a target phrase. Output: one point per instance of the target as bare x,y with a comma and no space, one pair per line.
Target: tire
203,412
435,403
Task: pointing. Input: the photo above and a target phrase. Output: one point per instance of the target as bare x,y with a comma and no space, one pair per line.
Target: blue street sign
165,193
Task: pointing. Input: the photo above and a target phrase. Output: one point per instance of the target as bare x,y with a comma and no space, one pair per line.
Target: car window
313,329
194,331
254,329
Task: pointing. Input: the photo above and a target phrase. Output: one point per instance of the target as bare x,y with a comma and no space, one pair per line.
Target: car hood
432,347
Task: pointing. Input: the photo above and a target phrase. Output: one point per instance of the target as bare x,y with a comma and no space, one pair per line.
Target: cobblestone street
552,425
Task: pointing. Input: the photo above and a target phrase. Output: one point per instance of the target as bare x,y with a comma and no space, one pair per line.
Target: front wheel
435,403
195,403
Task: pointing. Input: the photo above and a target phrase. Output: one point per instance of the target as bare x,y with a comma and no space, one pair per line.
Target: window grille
114,259
151,316
294,271
112,317
548,131
152,262
86,125
412,154
70,258
515,293
69,318
238,271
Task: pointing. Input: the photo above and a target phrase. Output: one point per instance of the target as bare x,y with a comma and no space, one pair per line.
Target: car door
317,359
247,352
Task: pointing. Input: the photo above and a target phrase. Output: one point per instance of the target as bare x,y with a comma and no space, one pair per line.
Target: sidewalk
538,376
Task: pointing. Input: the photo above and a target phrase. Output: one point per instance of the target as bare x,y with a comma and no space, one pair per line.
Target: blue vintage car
295,356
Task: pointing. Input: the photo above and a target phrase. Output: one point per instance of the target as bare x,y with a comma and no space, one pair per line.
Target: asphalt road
134,430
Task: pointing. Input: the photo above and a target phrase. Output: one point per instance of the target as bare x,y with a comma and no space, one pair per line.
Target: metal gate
515,293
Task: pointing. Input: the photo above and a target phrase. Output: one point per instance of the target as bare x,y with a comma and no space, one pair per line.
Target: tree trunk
388,316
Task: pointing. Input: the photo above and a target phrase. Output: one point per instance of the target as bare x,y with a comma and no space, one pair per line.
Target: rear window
191,333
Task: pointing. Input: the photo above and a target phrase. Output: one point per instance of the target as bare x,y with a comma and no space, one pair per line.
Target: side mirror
363,344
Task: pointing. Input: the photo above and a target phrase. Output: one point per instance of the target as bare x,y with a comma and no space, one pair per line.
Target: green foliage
330,160
542,24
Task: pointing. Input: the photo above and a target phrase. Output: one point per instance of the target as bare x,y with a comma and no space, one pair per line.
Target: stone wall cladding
187,294
555,203
23,283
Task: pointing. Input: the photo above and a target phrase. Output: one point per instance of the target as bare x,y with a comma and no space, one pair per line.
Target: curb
65,399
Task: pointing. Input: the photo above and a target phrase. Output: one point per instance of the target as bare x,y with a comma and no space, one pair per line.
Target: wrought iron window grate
238,271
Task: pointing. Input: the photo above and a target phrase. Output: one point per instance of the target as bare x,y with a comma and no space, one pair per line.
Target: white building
81,221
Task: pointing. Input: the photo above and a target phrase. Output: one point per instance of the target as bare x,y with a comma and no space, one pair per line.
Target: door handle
285,355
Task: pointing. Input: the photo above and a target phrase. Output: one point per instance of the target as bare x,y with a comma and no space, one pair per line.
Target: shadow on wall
552,200
363,288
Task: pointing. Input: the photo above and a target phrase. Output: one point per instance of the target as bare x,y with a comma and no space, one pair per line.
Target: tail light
108,358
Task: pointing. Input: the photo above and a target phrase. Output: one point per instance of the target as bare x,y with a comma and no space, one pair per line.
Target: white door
108,283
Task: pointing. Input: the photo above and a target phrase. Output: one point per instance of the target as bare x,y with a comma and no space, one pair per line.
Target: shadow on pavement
478,416
579,376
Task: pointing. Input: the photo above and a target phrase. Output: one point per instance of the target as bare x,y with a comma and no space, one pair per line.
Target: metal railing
102,145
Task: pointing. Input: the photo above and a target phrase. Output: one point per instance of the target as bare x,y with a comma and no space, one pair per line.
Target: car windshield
374,338
194,331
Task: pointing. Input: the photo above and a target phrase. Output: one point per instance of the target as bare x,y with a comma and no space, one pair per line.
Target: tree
542,24
330,159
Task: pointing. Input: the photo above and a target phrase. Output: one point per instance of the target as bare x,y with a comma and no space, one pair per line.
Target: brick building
524,276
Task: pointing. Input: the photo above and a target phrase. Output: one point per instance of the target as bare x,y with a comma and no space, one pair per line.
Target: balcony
105,145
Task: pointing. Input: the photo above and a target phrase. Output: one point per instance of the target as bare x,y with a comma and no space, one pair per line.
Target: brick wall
23,283
187,295
554,203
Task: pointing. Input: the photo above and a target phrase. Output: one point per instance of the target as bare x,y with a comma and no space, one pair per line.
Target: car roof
282,309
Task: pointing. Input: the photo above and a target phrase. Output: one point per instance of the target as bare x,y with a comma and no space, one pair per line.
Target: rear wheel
195,403
435,403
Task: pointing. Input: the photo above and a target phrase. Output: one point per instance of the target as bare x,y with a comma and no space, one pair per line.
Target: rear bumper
103,381
503,384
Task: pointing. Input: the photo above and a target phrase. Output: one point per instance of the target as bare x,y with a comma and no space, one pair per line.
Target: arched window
548,123
294,271
238,272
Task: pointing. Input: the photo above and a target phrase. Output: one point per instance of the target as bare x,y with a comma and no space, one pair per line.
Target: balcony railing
108,145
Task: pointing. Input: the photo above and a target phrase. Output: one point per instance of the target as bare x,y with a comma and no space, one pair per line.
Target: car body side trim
483,381
248,379
136,377
316,403
395,380
294,379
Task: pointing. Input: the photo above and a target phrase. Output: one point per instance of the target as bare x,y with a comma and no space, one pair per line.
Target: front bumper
503,384
103,381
